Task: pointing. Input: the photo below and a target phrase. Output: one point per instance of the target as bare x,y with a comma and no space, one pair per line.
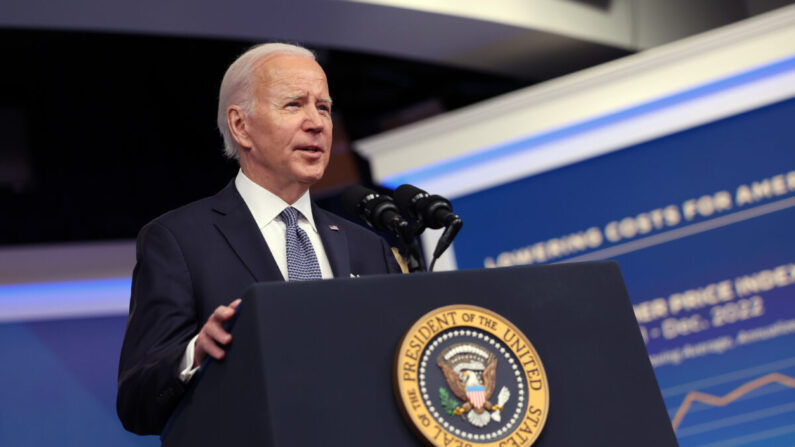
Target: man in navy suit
274,113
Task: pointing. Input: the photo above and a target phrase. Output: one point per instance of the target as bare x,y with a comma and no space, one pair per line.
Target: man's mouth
310,149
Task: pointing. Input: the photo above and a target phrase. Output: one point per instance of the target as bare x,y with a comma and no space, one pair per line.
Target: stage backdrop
702,223
63,310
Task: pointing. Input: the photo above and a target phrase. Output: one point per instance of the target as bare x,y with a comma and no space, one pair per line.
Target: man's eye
324,108
293,104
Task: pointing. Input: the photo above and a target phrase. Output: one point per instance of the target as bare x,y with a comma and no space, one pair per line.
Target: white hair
237,86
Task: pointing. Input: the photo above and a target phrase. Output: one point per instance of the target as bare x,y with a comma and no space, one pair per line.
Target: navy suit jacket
192,260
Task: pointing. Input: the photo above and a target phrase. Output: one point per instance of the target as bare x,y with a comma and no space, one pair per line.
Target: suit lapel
335,242
238,227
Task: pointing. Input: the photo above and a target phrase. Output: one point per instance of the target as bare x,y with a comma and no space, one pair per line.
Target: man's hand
212,336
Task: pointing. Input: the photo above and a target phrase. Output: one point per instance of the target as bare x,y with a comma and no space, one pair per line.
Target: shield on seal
477,395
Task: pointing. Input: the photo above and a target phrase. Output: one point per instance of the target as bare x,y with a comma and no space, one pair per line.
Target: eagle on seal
471,373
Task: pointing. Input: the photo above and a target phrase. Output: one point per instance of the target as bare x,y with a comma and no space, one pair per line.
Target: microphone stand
450,231
409,248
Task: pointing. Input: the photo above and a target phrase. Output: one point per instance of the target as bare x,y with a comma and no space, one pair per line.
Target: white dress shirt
266,207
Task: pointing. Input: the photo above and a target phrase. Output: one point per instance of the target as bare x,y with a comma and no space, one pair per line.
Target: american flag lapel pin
333,228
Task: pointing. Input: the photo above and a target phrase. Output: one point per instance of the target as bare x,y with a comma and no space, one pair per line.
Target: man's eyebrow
297,97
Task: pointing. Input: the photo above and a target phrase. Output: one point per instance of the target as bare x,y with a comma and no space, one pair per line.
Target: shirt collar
265,206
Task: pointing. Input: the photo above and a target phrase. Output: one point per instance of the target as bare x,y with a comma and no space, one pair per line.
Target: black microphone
378,211
430,210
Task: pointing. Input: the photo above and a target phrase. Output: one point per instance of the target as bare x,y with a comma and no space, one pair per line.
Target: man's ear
236,120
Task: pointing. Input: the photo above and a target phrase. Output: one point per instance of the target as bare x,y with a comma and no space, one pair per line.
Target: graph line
735,420
717,401
729,377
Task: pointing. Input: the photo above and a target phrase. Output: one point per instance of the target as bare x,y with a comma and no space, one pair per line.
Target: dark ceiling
100,133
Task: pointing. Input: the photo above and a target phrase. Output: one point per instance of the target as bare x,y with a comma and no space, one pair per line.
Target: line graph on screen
722,401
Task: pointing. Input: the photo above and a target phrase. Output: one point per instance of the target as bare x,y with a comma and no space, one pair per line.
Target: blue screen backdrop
702,223
59,384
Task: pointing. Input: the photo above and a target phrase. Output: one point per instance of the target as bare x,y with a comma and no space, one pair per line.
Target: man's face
289,130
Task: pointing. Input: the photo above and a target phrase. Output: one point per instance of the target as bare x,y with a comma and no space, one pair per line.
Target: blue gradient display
59,384
64,299
64,290
724,352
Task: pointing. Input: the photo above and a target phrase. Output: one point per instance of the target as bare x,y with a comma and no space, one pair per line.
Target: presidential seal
465,376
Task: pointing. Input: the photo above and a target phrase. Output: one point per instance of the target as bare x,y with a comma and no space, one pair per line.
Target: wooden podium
312,363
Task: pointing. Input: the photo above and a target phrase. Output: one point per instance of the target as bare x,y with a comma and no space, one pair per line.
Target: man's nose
313,120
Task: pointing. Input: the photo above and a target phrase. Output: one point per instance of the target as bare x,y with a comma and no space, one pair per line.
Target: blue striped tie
302,263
